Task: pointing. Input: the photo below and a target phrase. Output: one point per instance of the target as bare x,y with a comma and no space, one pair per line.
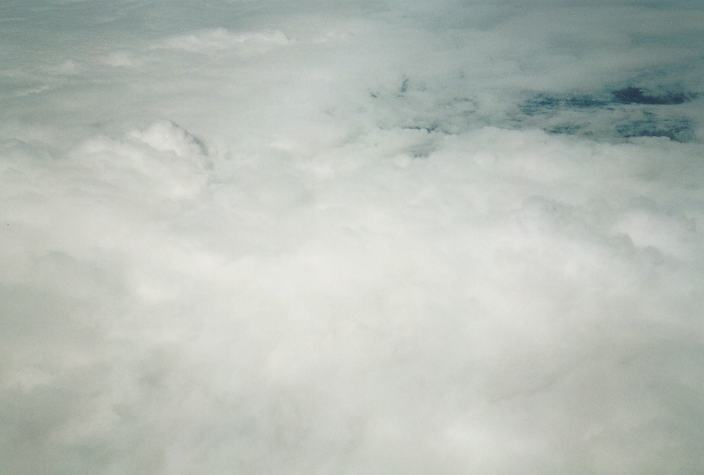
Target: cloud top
369,238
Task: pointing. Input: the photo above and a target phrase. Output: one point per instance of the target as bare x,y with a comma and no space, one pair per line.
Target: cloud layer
363,238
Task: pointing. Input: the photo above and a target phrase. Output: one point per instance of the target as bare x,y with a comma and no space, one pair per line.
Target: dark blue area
548,103
430,128
651,121
544,103
565,129
679,130
636,95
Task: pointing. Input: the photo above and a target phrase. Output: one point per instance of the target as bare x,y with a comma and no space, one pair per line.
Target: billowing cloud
375,237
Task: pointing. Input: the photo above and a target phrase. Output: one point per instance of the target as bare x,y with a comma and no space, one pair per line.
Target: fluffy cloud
371,238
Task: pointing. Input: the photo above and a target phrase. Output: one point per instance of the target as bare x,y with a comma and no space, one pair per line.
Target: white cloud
221,39
356,253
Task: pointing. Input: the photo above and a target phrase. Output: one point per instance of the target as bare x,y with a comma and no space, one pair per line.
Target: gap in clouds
628,112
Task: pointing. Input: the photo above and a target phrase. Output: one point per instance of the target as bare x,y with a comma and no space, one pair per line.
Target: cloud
369,238
220,39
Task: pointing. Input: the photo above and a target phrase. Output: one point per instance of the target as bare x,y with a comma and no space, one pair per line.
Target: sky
365,237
